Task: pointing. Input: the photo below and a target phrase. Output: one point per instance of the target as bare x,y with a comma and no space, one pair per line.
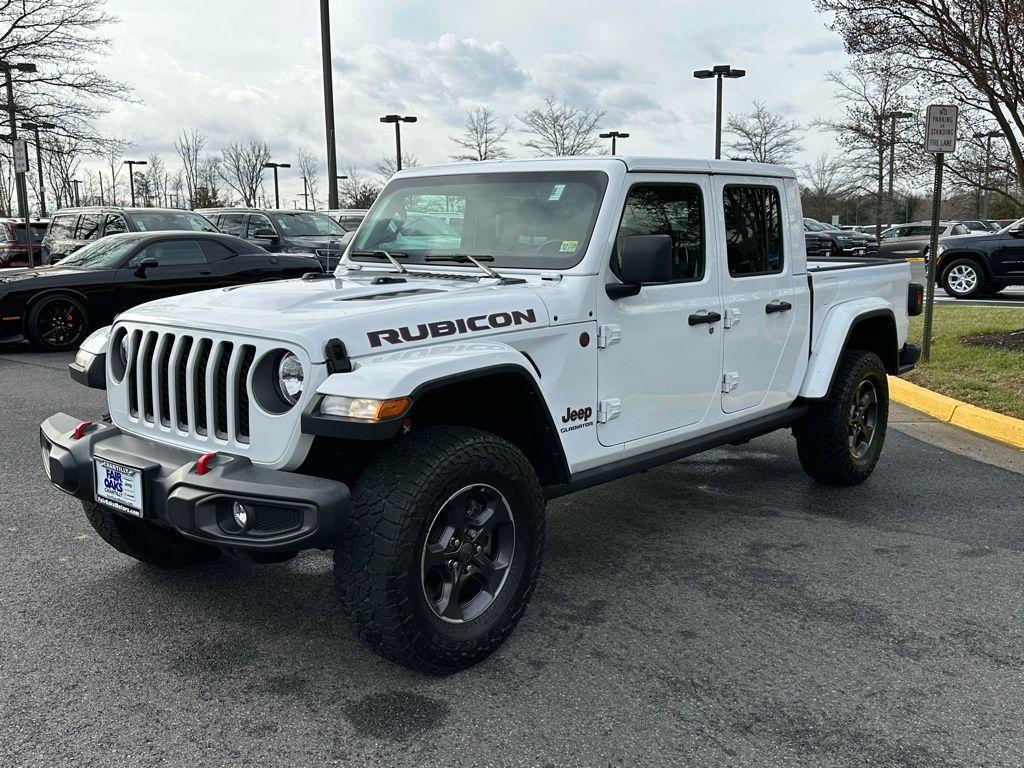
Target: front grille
190,382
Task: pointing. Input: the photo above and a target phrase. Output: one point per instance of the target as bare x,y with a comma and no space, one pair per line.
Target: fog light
241,515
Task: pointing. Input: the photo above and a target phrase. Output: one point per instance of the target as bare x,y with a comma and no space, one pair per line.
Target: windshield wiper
392,257
465,258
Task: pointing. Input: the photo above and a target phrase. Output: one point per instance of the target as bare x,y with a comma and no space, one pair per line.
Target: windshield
107,253
540,220
814,226
153,221
308,224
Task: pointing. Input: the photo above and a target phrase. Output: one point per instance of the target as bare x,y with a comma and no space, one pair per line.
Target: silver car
908,241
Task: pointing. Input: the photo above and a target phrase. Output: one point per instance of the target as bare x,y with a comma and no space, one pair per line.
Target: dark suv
71,228
283,231
982,265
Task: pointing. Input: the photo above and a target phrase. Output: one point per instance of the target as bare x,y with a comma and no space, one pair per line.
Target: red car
14,246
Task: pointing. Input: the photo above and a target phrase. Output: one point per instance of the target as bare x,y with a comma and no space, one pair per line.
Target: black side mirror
1018,232
146,264
266,234
644,260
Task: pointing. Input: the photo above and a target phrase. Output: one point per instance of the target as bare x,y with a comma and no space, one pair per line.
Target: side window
216,251
231,223
888,235
115,224
171,253
62,227
257,222
960,229
88,226
676,210
753,230
918,231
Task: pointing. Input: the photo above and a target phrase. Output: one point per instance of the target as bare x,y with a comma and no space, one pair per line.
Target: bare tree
358,190
63,38
825,186
309,167
971,49
561,130
764,136
62,160
241,168
156,180
483,137
868,92
189,146
387,168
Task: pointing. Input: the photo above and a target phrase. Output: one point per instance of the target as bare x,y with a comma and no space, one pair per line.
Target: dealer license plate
119,486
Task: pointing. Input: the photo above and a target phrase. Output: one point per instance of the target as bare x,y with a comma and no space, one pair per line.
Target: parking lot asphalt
722,610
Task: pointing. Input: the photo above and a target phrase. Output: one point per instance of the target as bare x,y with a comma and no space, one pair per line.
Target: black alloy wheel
467,553
863,419
57,324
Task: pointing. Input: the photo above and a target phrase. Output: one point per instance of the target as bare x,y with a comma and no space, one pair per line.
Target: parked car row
842,242
284,231
55,307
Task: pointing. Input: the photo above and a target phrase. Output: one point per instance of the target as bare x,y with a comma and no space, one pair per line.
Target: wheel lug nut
452,564
479,550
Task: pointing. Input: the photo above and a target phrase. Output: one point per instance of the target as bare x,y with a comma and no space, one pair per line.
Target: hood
20,276
316,241
369,316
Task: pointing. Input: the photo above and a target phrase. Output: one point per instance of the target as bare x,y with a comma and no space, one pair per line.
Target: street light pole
398,120
305,194
34,127
277,194
719,72
78,199
325,52
987,136
131,175
893,117
613,135
20,184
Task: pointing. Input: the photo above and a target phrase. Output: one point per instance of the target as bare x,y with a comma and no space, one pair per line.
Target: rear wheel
146,541
840,440
963,279
57,323
443,549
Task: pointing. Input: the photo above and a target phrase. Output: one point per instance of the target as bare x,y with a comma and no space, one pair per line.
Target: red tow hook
203,463
80,430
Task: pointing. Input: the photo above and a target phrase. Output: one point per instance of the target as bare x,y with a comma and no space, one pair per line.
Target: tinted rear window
38,230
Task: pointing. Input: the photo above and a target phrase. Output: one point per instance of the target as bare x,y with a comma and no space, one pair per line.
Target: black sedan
56,307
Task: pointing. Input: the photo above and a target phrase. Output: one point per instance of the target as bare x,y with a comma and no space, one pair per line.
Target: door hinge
732,317
730,380
609,409
608,335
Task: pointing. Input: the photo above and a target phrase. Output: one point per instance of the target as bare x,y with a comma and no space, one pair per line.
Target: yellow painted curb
916,258
1005,429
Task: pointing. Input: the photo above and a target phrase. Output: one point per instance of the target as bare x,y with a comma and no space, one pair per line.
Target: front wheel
57,324
840,440
443,548
963,279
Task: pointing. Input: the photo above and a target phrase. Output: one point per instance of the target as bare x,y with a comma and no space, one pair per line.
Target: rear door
759,297
658,369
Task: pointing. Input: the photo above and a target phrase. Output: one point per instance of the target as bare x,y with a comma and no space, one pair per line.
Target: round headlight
289,378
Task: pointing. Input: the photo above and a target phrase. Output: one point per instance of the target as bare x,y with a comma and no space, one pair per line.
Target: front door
1008,255
181,267
758,294
660,362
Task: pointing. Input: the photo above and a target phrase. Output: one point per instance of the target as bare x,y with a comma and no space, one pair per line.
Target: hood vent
390,295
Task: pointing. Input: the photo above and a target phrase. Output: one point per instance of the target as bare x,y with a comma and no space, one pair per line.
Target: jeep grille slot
190,384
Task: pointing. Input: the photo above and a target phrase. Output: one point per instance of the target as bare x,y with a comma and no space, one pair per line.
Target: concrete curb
1005,429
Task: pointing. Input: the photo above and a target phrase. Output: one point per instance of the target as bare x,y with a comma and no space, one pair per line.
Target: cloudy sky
243,68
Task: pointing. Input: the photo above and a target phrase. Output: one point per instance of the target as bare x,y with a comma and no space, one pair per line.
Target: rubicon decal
455,327
577,418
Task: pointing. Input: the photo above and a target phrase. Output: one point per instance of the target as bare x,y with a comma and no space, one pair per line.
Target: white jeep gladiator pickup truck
498,334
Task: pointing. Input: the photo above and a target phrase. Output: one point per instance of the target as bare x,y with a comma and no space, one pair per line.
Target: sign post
940,138
20,169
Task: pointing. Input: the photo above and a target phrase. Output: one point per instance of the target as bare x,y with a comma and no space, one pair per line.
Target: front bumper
297,511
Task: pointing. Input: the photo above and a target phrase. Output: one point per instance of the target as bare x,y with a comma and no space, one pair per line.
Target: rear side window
676,210
753,230
115,224
917,231
960,229
88,226
231,224
216,251
171,253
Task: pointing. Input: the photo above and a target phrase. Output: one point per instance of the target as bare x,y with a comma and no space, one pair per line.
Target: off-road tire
948,280
378,562
823,436
146,541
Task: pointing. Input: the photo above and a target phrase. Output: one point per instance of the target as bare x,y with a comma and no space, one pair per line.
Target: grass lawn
989,378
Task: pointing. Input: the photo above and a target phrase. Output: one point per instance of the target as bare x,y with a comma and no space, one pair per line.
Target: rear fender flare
832,340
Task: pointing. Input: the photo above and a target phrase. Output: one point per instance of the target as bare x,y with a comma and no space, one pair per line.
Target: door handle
699,318
777,306
205,271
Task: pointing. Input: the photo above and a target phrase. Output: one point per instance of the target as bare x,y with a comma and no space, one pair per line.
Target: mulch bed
1012,341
